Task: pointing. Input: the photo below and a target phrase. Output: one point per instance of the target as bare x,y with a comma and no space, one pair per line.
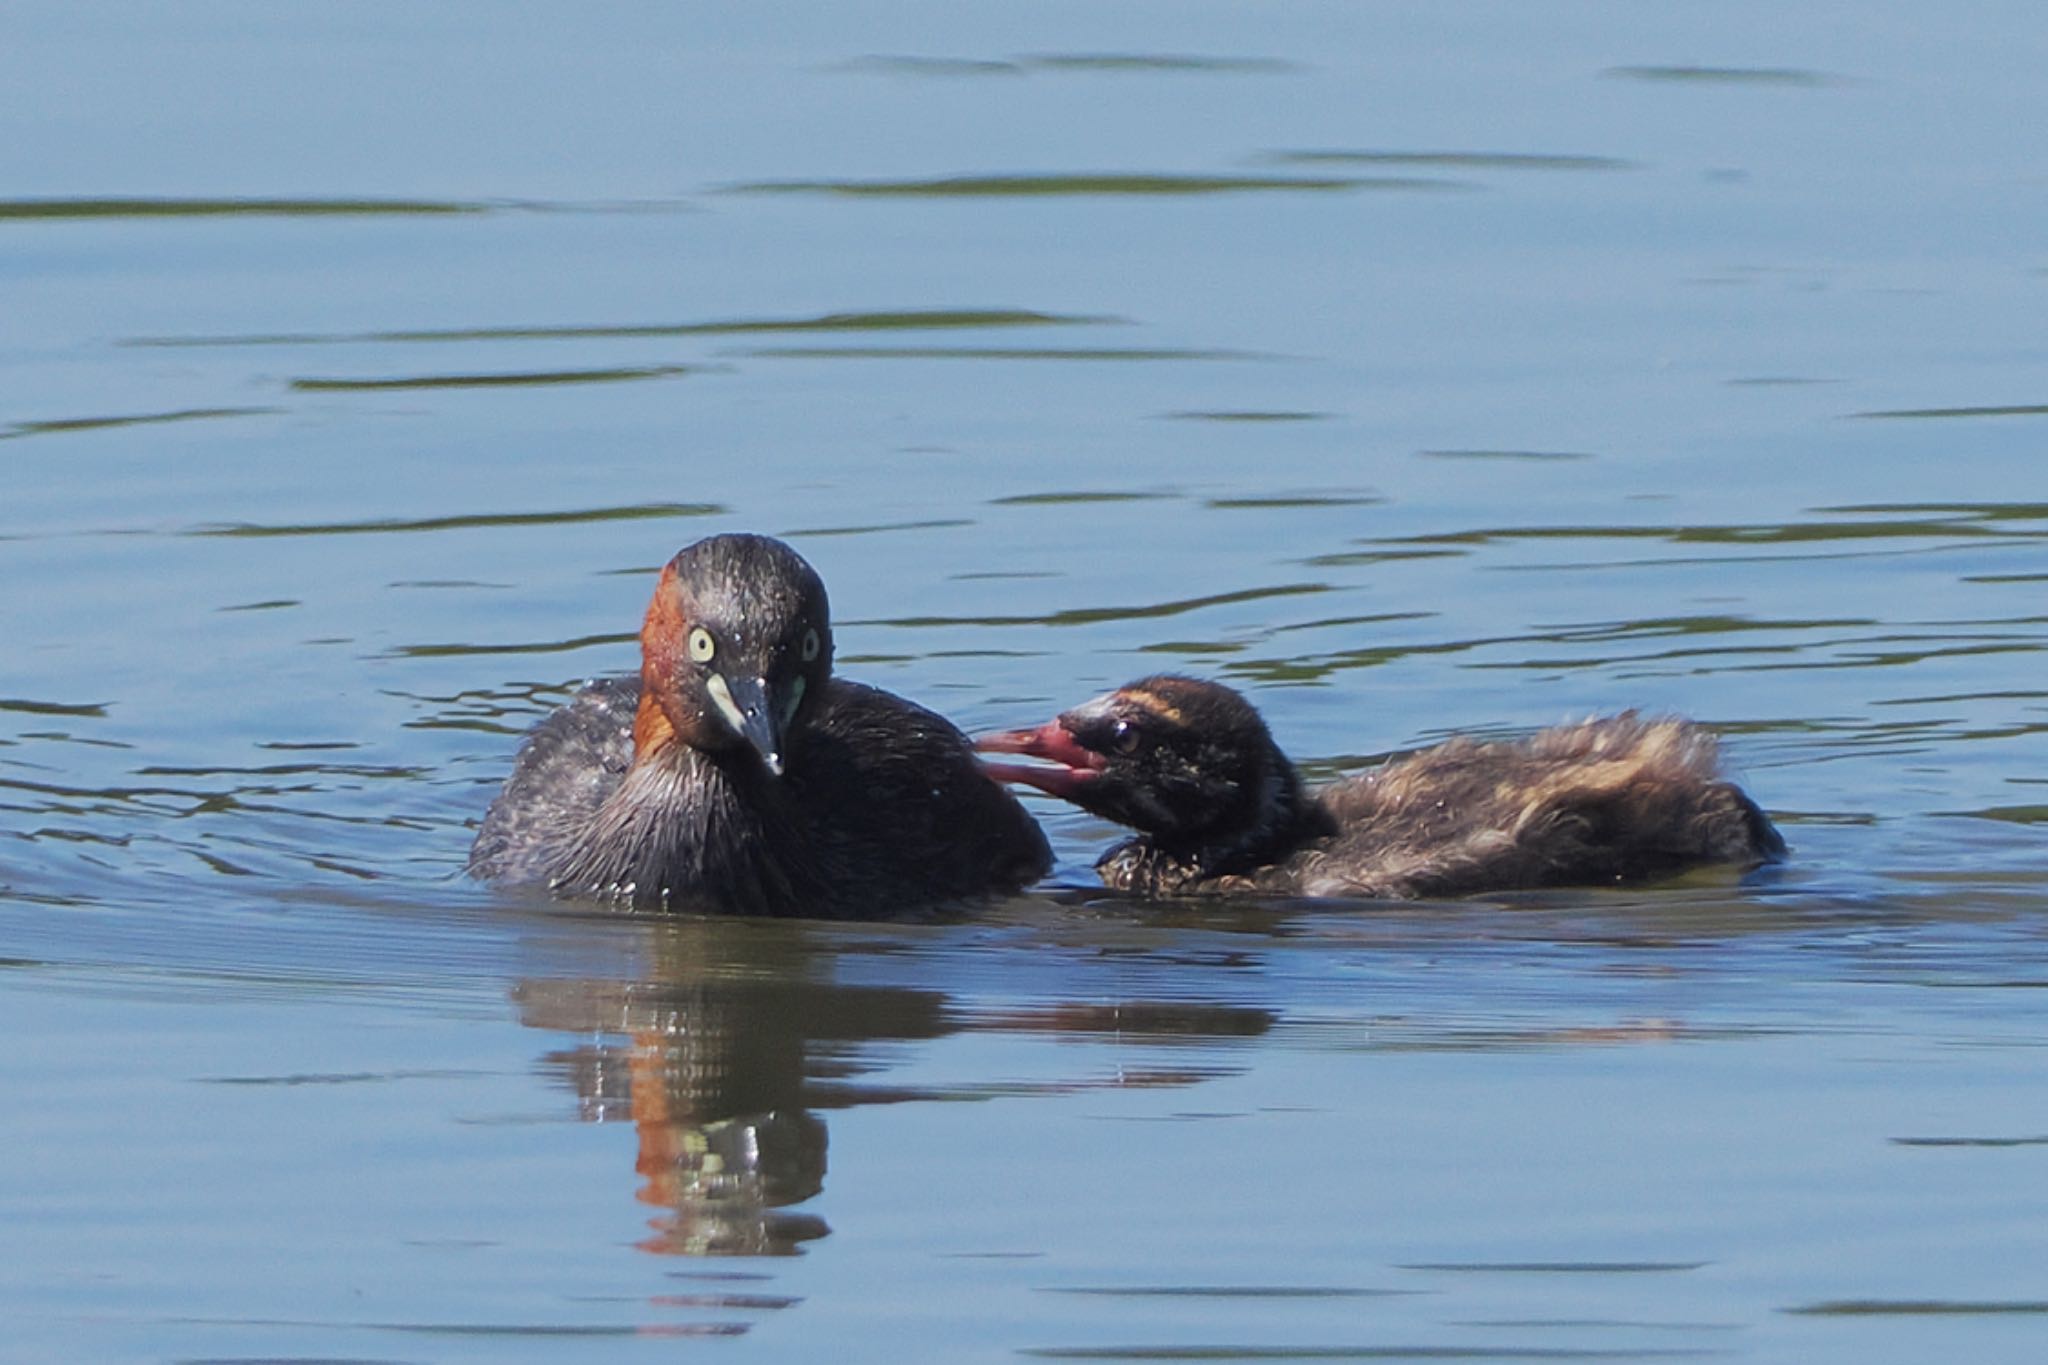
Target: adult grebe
736,774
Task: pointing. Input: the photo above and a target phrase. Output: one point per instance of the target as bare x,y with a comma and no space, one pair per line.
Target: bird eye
1124,736
702,647
811,645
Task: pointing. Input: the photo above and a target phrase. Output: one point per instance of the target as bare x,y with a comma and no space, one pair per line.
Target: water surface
1423,370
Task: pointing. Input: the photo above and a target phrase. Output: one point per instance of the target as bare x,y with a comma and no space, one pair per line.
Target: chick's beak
749,707
1075,763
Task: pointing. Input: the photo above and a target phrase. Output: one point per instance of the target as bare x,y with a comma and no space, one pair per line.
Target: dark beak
757,719
1076,764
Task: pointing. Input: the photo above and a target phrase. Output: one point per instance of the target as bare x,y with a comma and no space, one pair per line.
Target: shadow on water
46,209
1891,1308
461,650
1280,500
61,425
904,320
526,379
1472,161
1083,353
1538,455
1247,415
878,528
1390,1351
1090,63
1086,184
851,323
29,706
1791,77
650,511
1849,522
59,209
2008,410
1083,616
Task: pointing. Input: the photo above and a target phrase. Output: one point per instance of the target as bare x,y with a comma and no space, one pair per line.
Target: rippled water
1420,369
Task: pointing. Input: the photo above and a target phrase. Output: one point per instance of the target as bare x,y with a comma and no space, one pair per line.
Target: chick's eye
702,647
1124,737
811,645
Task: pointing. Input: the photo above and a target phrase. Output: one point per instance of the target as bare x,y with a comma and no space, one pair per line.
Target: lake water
1417,367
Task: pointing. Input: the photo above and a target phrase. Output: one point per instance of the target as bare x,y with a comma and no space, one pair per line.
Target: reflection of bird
1191,765
715,1048
712,1075
737,774
726,1042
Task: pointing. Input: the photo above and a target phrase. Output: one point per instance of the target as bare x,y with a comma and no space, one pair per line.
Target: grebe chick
1191,765
735,774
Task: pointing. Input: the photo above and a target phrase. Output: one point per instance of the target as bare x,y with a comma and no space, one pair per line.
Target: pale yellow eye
811,645
702,647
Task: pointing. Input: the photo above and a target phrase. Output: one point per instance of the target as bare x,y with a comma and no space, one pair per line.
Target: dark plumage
1191,765
735,774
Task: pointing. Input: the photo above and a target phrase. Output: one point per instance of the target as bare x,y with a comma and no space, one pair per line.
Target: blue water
1419,369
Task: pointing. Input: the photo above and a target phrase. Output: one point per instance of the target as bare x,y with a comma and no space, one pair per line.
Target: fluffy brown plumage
736,775
1192,766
